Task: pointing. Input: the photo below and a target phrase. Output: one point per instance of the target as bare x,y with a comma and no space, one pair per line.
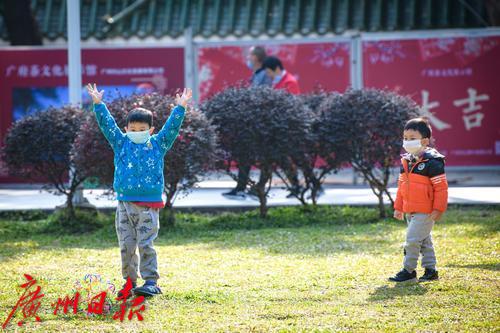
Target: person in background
281,78
255,59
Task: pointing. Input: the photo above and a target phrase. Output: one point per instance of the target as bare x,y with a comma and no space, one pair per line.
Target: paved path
209,196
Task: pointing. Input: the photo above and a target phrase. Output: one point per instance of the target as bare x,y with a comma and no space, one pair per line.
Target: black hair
259,52
421,125
272,63
140,115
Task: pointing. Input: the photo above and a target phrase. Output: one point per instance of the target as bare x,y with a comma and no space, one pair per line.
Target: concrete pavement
211,197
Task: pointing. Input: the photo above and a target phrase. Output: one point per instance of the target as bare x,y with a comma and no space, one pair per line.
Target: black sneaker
294,192
122,291
404,276
150,288
235,194
429,275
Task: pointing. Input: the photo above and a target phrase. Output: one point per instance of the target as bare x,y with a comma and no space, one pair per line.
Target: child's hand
94,93
398,215
435,215
184,99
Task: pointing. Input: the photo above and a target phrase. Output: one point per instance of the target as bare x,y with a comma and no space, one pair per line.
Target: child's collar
411,157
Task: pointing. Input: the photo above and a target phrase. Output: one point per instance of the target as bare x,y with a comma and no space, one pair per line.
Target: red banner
34,79
315,65
456,82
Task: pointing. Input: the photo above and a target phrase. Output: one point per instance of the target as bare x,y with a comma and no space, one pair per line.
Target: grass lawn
320,271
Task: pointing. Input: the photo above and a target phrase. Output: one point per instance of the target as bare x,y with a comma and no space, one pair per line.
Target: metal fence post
75,77
189,79
356,71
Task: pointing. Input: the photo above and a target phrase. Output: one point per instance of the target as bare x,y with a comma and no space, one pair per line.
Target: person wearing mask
281,78
254,62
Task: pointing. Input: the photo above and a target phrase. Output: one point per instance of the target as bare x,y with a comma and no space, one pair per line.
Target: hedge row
280,134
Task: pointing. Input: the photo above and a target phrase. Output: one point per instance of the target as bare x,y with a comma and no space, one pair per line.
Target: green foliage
366,129
259,126
83,221
327,276
38,148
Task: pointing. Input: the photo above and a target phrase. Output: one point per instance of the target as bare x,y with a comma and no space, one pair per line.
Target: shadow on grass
386,292
288,230
486,218
492,267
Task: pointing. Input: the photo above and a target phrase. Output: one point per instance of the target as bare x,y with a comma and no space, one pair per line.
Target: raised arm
170,130
105,120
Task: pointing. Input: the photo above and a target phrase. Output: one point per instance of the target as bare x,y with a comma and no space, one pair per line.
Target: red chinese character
135,302
67,302
96,304
28,302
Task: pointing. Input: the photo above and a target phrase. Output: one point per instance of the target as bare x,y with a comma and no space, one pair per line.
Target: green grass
319,271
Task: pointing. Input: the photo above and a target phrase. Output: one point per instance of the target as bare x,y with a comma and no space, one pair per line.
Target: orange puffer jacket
422,184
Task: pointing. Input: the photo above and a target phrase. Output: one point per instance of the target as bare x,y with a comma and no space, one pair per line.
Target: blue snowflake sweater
139,167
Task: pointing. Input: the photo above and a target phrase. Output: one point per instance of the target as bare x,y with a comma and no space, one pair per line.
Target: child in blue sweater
138,183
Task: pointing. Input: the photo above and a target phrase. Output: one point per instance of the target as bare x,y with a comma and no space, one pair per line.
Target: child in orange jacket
423,196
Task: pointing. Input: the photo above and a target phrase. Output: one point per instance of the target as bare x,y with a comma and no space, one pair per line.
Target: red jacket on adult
289,83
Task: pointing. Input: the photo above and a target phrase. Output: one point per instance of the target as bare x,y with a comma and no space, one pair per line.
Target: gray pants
137,226
419,241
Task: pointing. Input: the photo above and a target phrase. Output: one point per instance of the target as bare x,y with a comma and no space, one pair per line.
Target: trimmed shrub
369,124
38,148
258,126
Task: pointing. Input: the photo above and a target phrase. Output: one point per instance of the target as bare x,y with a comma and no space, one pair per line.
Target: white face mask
139,137
412,146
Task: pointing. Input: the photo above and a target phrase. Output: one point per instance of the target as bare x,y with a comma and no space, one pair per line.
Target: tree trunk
381,206
169,213
265,176
170,216
263,206
316,186
69,216
391,200
313,196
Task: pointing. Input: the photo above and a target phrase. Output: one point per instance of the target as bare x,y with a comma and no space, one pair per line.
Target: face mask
277,79
139,137
412,146
250,65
